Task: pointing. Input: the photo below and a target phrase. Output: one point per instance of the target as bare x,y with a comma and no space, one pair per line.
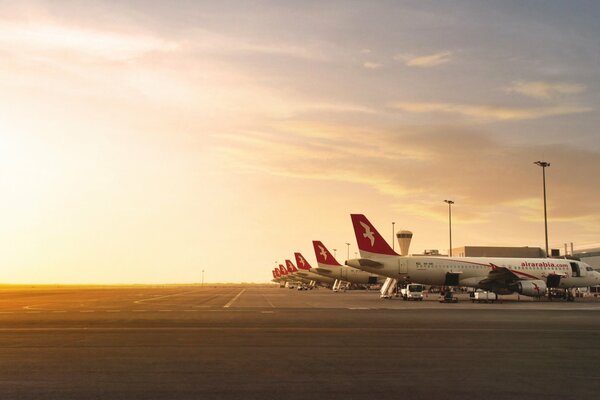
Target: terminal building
589,256
494,251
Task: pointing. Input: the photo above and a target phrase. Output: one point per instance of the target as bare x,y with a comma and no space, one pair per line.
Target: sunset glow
143,142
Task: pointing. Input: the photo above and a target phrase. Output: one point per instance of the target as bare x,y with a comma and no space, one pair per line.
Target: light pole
393,223
450,202
544,164
334,251
348,254
203,277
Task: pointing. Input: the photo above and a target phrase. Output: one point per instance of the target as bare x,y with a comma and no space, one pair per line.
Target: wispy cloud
491,113
545,90
426,61
423,168
48,37
372,65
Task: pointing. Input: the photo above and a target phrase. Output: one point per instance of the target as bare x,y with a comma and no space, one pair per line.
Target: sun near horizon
144,144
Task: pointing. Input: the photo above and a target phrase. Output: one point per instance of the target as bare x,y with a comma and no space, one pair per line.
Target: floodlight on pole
393,234
348,253
450,202
544,164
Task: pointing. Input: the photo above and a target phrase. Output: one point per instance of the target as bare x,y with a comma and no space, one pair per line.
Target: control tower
404,238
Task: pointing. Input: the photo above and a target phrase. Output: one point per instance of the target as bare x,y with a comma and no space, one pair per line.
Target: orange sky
140,143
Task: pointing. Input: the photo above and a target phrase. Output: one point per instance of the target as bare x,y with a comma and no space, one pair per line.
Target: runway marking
163,297
165,310
7,312
113,310
234,299
139,310
32,312
190,310
267,312
292,329
59,311
268,301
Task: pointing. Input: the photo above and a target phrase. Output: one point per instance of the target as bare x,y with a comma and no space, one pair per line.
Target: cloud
428,61
491,113
544,90
372,65
418,167
46,37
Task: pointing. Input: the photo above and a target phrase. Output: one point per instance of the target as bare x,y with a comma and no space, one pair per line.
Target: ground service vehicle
412,291
483,296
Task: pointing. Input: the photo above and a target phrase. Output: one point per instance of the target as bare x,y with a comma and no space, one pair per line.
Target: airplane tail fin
301,262
291,267
282,270
367,237
323,255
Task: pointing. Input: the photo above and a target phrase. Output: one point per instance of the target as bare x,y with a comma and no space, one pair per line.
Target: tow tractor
448,297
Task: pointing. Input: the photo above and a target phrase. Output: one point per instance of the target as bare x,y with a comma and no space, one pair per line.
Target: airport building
589,256
492,251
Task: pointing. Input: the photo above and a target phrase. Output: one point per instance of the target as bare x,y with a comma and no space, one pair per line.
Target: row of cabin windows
431,265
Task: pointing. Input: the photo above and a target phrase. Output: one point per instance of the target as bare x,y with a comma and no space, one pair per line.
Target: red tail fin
282,270
301,261
368,238
323,255
276,273
290,267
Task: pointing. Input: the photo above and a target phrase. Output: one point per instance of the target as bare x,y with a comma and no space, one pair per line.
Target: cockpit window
589,268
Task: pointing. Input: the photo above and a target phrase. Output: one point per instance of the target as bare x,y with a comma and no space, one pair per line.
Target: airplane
329,266
278,278
305,272
526,276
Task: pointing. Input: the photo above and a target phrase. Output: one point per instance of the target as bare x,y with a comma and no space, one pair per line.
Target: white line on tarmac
294,329
234,299
268,301
163,297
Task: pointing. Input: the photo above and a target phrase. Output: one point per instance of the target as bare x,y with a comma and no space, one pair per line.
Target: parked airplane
293,273
526,276
328,266
306,272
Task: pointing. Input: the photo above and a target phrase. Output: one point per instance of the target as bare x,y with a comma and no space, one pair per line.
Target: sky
147,141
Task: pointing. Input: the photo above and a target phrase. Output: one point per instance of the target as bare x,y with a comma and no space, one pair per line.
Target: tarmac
262,342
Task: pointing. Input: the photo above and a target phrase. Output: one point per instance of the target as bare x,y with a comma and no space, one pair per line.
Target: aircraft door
402,267
575,270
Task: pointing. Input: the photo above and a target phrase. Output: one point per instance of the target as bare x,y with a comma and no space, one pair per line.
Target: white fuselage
471,271
349,274
311,276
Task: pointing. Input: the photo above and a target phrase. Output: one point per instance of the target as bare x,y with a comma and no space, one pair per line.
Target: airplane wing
500,276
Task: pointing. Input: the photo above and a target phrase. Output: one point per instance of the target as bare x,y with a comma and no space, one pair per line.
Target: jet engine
535,288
